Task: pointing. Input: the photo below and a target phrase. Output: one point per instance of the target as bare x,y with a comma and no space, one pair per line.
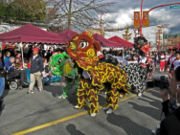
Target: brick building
173,43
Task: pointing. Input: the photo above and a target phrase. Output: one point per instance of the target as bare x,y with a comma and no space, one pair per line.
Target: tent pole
123,53
21,45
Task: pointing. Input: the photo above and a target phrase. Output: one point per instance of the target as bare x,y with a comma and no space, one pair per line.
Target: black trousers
19,74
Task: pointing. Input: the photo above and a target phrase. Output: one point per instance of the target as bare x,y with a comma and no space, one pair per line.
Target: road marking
49,124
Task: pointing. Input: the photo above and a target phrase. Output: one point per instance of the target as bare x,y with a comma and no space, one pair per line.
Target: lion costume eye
83,44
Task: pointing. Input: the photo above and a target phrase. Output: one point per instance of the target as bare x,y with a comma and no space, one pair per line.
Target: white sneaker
30,92
109,111
139,94
93,115
40,90
105,108
76,107
153,132
59,97
62,97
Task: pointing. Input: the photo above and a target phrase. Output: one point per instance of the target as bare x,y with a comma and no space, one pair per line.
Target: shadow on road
147,110
54,90
72,97
72,130
155,93
130,127
155,103
6,92
1,105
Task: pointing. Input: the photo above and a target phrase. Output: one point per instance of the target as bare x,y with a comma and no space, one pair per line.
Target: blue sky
122,14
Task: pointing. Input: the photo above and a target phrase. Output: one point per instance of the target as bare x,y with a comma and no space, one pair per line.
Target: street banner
136,18
174,6
145,18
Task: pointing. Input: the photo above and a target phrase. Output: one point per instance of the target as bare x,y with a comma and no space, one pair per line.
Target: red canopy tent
31,33
122,41
67,35
107,43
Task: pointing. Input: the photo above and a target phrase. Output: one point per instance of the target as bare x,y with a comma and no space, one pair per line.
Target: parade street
44,114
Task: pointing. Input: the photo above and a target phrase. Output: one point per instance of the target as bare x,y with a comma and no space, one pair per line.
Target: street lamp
141,14
141,18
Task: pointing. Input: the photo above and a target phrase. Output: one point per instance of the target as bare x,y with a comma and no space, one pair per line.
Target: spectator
7,62
171,124
171,59
18,55
18,64
17,71
36,71
2,81
175,63
7,56
162,61
46,73
167,58
48,55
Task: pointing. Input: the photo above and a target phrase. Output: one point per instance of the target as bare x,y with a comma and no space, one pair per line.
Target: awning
106,43
121,41
31,33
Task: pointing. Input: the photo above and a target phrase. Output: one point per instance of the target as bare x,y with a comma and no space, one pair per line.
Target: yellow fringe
95,110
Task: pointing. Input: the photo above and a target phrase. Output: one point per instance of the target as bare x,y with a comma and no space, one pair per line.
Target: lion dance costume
137,72
136,77
83,49
62,65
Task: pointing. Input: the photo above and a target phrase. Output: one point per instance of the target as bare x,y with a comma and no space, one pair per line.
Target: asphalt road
44,114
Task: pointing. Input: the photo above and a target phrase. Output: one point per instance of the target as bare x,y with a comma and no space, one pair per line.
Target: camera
163,83
160,81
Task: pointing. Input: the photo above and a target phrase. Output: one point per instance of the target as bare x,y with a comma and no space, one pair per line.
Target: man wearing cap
36,71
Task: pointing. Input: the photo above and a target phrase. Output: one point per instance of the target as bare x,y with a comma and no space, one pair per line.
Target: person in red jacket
162,61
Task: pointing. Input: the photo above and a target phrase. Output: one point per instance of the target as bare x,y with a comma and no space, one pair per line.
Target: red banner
136,18
145,18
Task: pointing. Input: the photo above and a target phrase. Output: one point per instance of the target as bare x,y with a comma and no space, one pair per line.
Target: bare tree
78,14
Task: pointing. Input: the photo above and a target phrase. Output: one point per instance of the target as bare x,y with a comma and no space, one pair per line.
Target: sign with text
174,6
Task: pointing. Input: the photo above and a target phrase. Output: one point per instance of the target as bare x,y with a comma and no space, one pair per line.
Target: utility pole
69,14
101,25
127,35
141,18
141,13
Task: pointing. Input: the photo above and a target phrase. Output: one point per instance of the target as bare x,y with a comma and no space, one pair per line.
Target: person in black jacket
36,71
171,124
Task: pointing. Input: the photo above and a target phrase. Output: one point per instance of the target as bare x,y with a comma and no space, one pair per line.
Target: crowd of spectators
27,68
